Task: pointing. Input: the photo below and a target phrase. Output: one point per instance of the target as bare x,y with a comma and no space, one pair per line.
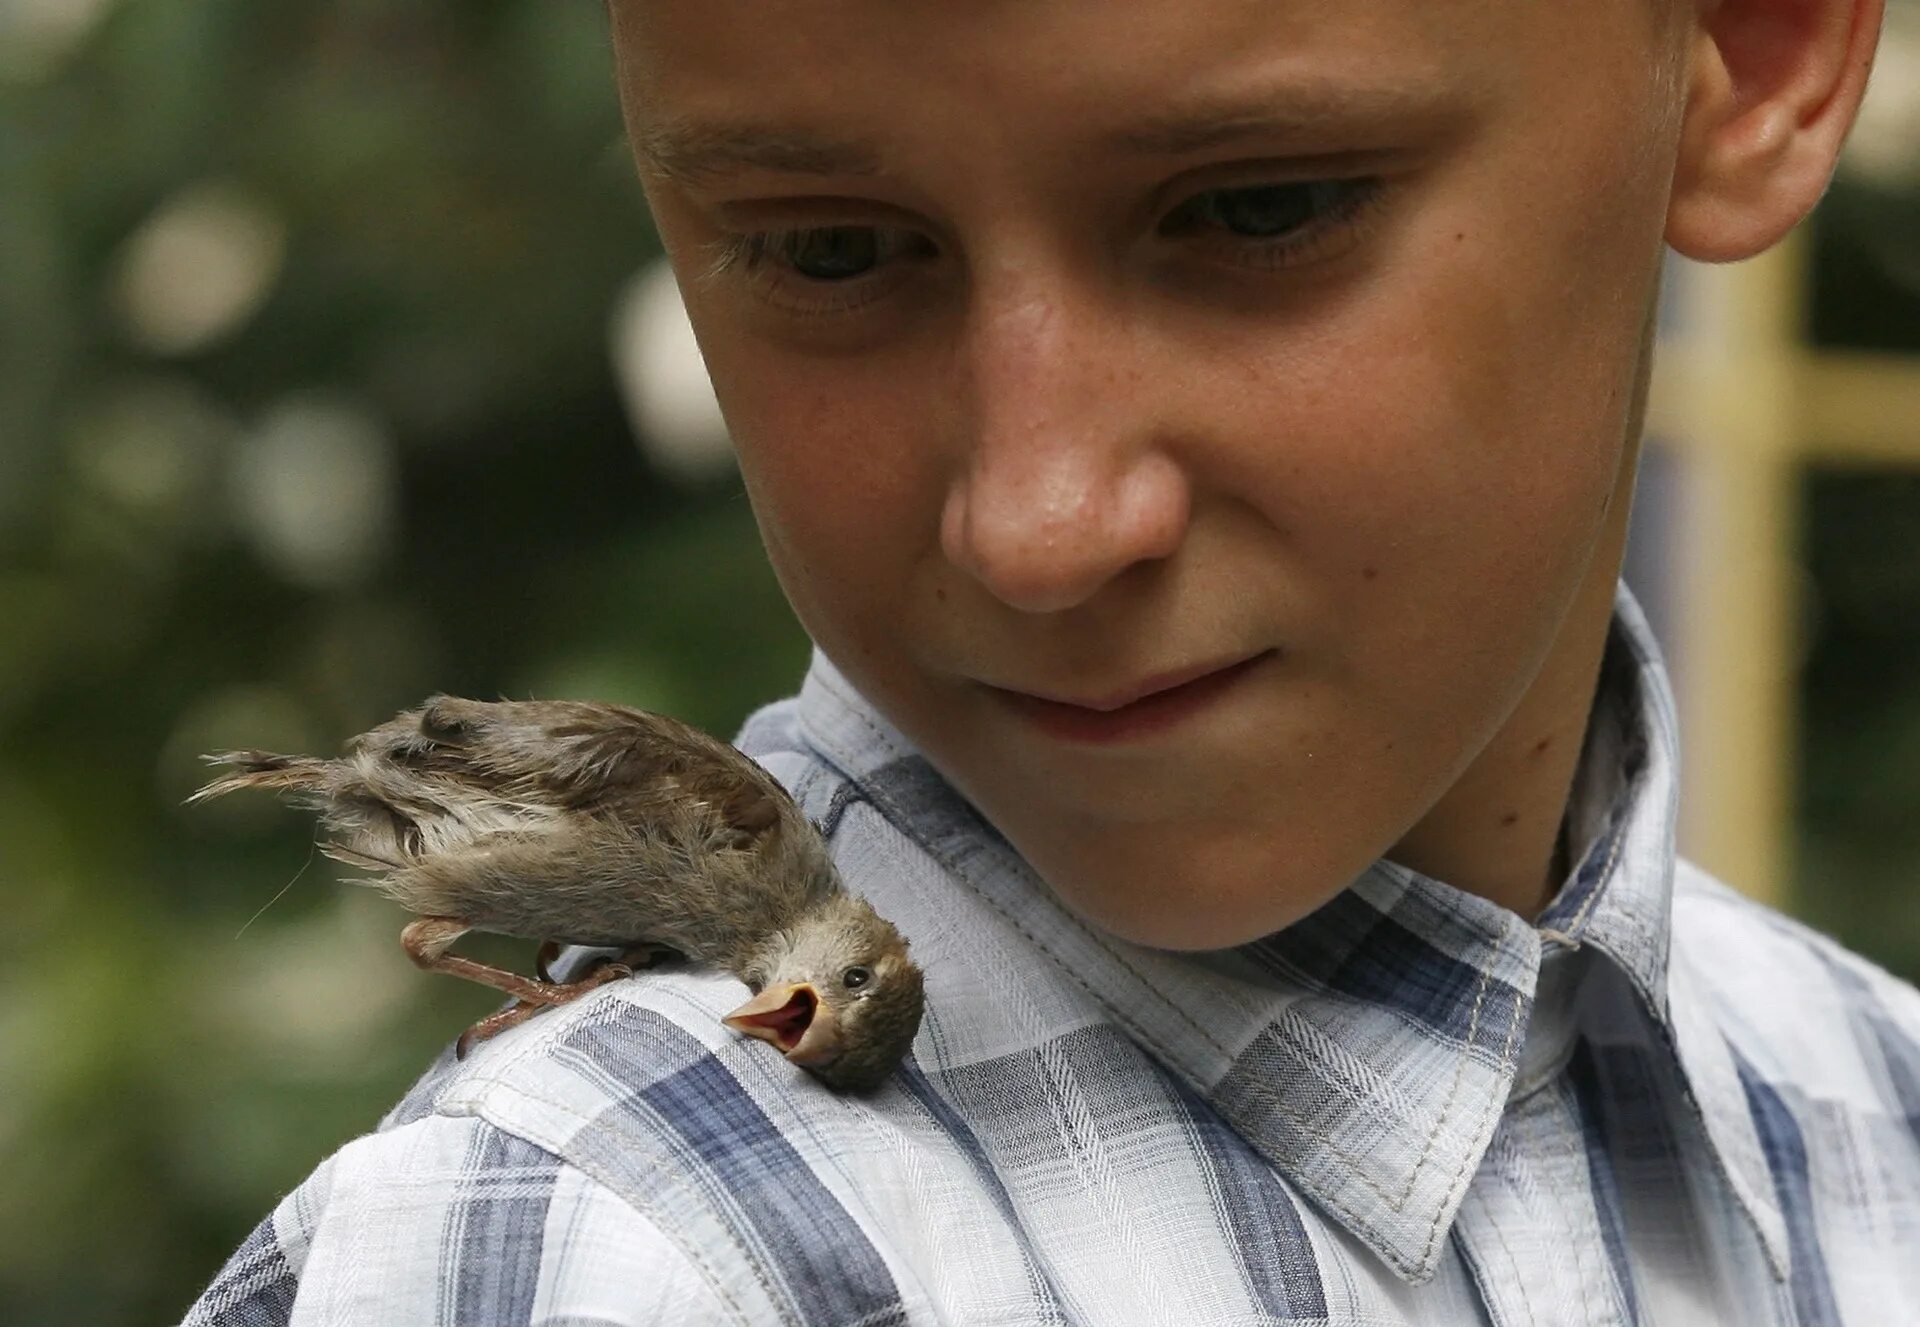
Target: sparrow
585,823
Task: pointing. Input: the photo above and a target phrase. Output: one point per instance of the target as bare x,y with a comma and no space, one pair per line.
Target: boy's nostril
1046,547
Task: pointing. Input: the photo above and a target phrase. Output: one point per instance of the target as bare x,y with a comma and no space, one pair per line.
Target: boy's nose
1064,482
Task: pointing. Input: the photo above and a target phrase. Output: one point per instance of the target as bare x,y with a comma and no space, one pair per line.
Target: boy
1199,435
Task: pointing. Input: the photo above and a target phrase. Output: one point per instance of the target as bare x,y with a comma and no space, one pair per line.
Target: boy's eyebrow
693,152
1289,112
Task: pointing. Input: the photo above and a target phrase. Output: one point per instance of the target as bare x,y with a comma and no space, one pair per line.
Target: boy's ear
1772,89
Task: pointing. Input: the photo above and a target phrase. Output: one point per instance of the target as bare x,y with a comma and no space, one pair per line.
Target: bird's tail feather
345,804
410,830
348,856
263,769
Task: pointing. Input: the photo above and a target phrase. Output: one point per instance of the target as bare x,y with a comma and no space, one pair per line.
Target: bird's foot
493,1024
536,996
638,957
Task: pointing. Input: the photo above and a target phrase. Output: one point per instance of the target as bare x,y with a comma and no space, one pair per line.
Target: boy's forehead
1181,63
692,151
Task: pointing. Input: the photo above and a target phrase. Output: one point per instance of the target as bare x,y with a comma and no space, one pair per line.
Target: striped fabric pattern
1659,1103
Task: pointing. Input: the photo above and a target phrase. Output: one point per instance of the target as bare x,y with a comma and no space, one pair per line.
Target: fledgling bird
594,824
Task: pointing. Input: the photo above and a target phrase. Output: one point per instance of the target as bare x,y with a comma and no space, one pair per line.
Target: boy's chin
1195,922
1195,892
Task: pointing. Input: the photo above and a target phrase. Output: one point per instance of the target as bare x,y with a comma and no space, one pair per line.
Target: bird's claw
602,971
493,1024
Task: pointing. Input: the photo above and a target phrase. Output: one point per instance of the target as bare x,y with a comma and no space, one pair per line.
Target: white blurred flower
317,488
664,381
198,268
152,445
317,989
35,35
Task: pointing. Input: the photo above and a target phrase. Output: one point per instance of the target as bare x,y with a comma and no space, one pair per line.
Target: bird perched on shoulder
594,824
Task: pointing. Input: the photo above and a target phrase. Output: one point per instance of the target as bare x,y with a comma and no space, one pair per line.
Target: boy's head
1074,346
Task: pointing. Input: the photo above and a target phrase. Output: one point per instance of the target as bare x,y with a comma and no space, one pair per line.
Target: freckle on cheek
1369,572
1540,747
1510,819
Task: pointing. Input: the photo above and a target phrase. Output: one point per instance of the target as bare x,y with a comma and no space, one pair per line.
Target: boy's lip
1133,711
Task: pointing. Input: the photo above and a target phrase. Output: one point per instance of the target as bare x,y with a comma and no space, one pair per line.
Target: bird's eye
856,977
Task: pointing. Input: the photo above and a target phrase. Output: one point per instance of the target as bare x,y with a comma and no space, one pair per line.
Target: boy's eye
1260,212
817,253
1262,225
1277,225
847,264
832,253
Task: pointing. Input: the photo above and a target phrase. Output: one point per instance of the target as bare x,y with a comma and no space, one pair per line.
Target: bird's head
836,993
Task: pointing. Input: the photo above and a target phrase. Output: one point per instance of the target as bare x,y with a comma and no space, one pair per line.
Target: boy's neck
1496,831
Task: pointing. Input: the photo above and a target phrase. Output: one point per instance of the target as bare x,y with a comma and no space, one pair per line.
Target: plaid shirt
1660,1103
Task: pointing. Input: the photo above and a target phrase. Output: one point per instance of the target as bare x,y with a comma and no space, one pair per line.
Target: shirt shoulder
453,1220
621,1160
1801,1013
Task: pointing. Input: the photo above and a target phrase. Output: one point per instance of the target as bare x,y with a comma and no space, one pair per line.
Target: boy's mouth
1147,707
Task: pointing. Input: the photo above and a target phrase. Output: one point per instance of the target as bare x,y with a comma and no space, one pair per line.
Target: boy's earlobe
1772,87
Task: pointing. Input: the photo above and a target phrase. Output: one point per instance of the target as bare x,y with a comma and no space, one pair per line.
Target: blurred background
335,370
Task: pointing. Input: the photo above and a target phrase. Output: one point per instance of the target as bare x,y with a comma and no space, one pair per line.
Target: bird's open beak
792,1018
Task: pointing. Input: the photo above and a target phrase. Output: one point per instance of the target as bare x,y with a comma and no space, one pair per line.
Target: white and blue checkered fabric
1660,1103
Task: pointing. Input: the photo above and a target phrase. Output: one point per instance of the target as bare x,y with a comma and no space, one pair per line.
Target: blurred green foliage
1859,769
459,214
449,211
1858,772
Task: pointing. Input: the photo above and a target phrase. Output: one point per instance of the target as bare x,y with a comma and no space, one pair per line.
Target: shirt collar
1369,1050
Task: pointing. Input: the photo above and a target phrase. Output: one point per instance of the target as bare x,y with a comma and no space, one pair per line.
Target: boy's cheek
845,492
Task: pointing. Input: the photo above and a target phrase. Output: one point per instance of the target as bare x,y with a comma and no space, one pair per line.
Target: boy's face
1090,345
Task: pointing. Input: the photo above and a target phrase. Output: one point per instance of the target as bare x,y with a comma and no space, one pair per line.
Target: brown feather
605,825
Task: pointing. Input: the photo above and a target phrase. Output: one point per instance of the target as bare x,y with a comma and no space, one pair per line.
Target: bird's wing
590,758
471,808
